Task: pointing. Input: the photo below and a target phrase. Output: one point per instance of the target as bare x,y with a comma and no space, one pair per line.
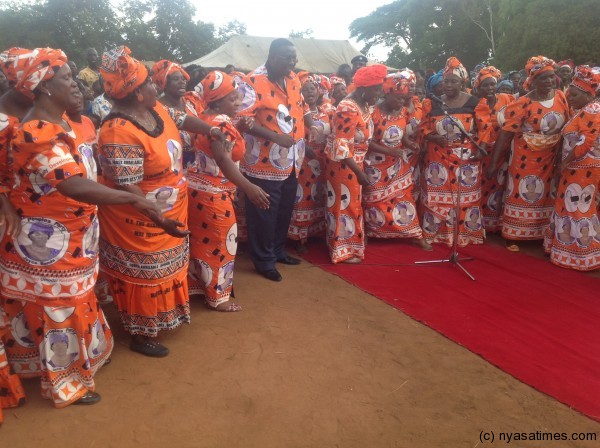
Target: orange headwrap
162,69
324,84
370,76
42,65
217,85
395,83
13,61
302,76
535,66
454,67
587,78
308,77
122,74
485,73
333,80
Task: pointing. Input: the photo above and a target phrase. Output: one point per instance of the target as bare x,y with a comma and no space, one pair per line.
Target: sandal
225,307
512,247
88,398
149,347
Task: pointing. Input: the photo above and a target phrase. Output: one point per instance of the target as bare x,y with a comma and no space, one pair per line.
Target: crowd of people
135,183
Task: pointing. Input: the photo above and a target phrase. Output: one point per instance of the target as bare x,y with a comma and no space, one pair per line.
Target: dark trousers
267,229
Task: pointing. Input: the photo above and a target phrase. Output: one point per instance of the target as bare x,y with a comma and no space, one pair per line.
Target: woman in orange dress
20,353
449,160
50,268
489,116
347,146
533,123
389,207
573,236
171,79
141,152
308,216
212,180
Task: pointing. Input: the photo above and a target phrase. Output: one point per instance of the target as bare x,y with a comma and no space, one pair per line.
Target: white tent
250,52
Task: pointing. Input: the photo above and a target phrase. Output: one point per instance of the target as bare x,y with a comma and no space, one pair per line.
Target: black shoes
88,398
148,347
289,260
271,274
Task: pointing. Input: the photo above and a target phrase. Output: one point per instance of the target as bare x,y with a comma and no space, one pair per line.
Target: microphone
436,99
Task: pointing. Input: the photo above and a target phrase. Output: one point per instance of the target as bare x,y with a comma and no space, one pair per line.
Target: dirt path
310,362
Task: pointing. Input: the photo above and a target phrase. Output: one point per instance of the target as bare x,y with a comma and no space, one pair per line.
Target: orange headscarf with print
217,85
122,74
396,84
454,67
587,78
162,69
485,73
333,80
42,65
13,62
370,76
535,66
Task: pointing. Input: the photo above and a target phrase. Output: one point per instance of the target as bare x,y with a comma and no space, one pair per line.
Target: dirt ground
310,362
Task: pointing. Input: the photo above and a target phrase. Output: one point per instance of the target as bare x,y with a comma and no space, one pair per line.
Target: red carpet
535,321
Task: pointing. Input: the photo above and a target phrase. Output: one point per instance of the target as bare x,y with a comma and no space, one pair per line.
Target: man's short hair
278,44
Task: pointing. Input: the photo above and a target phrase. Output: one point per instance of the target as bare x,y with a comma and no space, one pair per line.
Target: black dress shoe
289,260
88,398
271,274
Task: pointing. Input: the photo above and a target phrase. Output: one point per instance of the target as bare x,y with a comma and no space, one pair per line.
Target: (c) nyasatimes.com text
545,436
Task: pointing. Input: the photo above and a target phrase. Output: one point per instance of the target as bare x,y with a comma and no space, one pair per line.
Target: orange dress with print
352,128
145,267
49,269
213,243
389,207
573,237
308,216
489,122
530,190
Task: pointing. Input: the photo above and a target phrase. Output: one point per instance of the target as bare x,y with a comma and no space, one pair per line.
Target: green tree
558,29
424,33
233,28
71,25
306,34
179,37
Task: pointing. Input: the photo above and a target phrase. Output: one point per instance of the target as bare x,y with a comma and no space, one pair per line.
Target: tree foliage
424,33
153,29
558,29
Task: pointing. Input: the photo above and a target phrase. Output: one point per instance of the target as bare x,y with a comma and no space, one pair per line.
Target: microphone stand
454,257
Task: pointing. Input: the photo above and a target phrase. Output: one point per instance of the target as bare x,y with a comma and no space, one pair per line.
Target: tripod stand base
454,259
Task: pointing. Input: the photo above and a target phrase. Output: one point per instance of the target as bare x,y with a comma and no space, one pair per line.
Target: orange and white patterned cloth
443,169
213,243
279,110
42,65
531,187
352,128
308,216
389,208
146,269
50,268
573,236
489,123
